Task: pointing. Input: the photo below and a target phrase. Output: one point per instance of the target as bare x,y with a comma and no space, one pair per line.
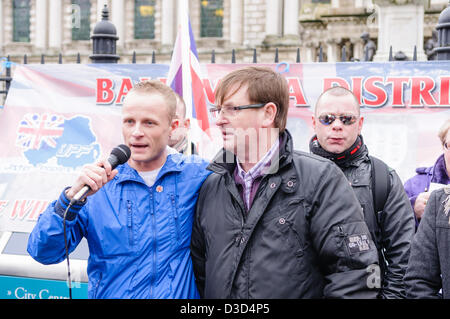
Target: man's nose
221,119
137,130
337,124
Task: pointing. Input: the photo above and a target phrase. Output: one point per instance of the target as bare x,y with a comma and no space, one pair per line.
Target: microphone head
122,153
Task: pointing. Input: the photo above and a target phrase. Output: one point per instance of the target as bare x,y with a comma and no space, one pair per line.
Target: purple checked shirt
248,182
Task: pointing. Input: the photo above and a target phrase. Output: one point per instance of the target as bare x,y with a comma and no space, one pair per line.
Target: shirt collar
264,163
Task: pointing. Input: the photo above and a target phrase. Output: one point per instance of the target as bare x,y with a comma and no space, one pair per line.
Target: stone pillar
55,25
41,25
332,50
358,48
2,29
273,21
118,19
291,12
310,52
168,23
335,4
236,23
400,24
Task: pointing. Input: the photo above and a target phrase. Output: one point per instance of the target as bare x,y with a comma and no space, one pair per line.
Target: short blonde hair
338,91
442,133
156,86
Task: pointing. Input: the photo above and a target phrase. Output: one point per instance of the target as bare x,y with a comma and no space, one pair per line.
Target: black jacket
392,229
429,264
304,236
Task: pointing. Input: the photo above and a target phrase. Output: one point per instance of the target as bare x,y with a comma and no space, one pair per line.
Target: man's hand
421,202
93,175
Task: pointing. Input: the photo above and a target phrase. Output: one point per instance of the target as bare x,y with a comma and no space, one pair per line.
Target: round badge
159,188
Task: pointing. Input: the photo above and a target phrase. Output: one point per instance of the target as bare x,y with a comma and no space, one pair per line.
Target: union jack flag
36,129
184,75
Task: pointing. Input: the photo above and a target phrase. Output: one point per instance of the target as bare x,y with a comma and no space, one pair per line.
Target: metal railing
6,63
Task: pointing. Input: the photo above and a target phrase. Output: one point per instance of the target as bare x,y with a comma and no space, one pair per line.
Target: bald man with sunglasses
338,123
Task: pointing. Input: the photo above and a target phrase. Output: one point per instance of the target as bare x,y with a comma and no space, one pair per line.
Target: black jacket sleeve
198,249
397,232
346,250
423,275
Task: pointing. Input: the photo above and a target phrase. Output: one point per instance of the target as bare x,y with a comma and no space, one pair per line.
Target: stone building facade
50,27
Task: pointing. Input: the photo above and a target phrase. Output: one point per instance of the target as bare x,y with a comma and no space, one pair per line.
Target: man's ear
175,124
360,124
187,123
270,112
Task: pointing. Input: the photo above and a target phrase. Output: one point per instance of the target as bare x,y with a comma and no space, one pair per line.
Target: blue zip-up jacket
138,236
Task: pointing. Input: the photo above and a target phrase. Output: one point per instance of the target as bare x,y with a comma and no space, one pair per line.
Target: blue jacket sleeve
46,241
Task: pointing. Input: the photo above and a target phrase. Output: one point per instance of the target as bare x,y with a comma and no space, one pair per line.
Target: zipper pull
129,216
130,223
341,231
172,197
240,239
151,200
237,240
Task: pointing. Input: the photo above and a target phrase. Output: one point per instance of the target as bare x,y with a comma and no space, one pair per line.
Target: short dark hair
263,86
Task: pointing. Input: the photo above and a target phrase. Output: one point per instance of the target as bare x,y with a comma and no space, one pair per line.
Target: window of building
81,19
211,18
21,20
144,19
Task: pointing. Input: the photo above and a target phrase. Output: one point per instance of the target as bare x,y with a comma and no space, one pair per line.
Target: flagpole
184,75
183,20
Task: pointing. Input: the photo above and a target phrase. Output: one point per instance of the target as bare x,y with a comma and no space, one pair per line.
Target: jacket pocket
355,245
293,238
284,233
120,227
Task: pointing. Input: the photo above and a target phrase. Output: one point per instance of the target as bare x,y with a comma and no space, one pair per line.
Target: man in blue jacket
137,219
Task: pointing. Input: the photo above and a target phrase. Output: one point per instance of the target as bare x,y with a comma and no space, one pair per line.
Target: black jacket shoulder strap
381,184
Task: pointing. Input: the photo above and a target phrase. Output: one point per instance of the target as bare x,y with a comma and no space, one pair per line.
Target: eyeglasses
229,111
346,119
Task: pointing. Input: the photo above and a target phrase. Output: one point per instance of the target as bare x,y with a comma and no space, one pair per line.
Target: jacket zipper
240,238
97,285
153,276
175,217
341,231
130,223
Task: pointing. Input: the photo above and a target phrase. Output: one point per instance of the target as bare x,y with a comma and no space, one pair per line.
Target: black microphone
119,155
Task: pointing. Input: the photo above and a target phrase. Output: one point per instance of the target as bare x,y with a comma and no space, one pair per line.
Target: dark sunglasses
327,119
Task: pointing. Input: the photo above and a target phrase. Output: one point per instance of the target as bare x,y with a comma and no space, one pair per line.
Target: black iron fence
104,49
7,64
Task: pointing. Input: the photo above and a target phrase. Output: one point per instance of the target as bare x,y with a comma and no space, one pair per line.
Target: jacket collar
174,163
353,156
225,161
439,171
